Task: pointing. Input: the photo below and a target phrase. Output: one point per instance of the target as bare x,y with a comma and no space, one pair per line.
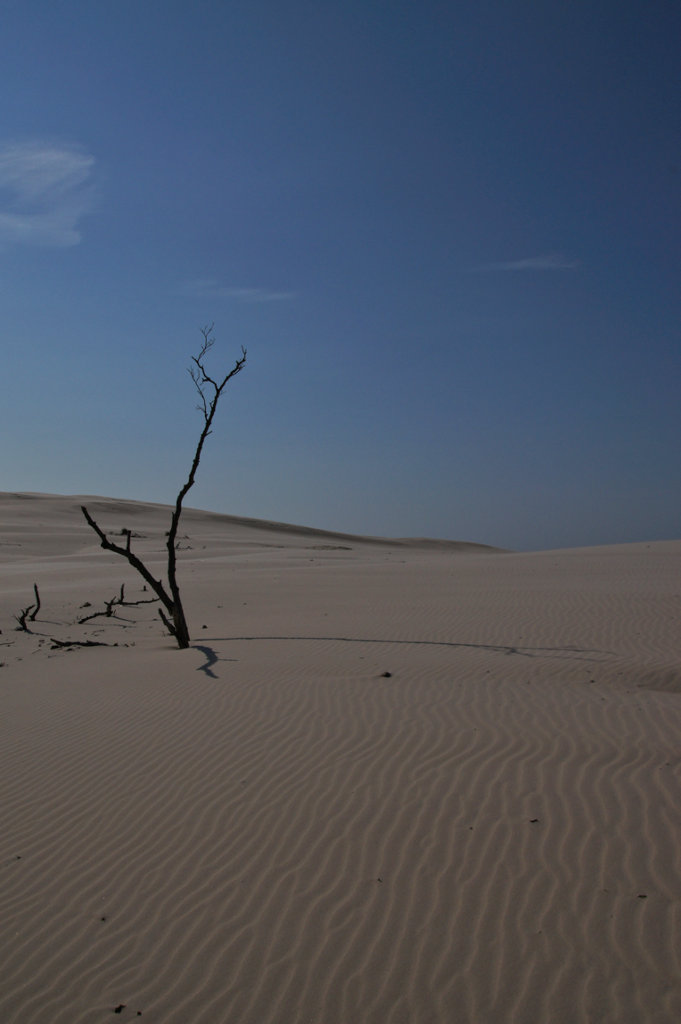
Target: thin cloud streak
210,289
45,189
551,261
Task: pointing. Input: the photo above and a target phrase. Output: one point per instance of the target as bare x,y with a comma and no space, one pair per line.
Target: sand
391,782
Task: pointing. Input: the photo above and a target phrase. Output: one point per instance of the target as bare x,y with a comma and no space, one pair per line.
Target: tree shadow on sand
212,658
574,653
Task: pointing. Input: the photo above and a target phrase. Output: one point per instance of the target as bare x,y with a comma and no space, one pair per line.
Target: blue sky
448,235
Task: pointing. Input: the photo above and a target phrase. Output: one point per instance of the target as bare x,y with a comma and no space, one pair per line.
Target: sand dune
391,782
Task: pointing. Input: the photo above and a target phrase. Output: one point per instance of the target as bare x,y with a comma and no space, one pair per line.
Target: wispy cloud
45,189
550,261
211,289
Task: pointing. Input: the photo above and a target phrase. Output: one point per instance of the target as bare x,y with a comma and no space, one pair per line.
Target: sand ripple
325,843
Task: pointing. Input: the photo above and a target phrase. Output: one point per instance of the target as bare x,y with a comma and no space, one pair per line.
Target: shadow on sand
576,653
212,658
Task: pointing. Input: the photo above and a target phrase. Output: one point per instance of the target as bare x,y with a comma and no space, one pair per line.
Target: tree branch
37,603
135,562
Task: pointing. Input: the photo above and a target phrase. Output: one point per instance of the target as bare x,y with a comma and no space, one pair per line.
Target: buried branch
29,612
118,600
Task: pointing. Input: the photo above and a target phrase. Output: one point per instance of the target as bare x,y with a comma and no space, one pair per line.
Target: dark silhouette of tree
210,391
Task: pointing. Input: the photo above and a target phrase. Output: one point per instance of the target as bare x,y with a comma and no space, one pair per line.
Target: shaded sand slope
268,827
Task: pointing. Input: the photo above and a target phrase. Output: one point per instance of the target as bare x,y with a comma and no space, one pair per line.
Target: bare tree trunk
209,394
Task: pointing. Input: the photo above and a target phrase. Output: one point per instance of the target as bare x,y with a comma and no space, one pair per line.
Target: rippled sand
391,782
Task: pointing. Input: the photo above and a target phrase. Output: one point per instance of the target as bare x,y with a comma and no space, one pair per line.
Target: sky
448,235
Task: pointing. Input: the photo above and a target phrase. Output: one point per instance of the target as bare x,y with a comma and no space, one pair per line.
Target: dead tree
209,391
28,613
36,607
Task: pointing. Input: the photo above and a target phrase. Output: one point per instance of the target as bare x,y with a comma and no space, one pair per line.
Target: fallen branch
78,643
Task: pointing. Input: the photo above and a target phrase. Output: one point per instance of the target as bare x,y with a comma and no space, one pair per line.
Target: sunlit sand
390,782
